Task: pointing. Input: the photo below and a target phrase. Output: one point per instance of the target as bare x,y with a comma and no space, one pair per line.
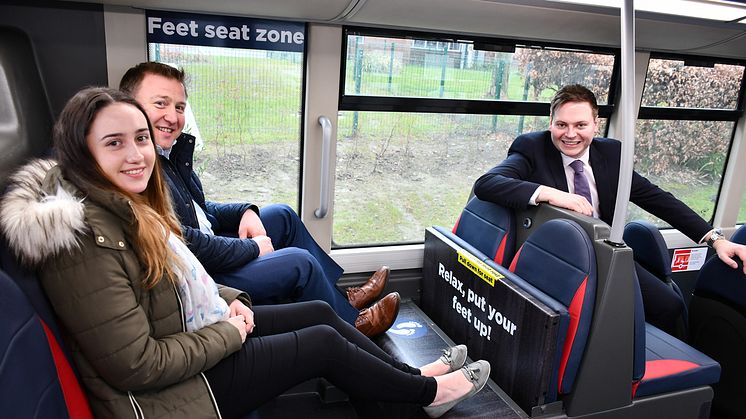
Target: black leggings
293,343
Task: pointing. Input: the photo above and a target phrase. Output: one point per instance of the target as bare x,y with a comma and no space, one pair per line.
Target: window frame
465,106
699,114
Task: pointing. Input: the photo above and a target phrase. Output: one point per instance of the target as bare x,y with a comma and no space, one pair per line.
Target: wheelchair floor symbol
408,329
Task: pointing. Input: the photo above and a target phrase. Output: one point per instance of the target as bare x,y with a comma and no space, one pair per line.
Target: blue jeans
298,269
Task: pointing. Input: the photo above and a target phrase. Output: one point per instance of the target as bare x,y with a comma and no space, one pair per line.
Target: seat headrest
649,248
720,280
740,235
556,258
489,228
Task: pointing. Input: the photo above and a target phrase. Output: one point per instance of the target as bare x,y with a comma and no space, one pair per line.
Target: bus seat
717,324
649,248
487,227
559,259
672,365
663,363
653,261
36,379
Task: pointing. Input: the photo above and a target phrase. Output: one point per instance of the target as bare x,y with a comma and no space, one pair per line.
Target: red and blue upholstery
672,365
486,227
663,363
36,379
558,259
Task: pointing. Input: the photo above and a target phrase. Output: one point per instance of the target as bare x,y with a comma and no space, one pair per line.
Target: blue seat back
650,250
740,235
29,387
723,282
559,259
33,356
653,261
488,227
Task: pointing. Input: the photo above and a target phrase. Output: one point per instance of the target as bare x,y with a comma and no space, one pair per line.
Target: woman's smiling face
120,142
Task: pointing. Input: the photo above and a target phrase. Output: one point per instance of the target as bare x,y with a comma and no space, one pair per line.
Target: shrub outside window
685,129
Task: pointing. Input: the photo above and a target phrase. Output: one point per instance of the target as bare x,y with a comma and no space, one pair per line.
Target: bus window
685,130
422,117
387,66
247,107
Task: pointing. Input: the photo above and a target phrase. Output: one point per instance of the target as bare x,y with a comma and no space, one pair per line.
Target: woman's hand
239,309
239,323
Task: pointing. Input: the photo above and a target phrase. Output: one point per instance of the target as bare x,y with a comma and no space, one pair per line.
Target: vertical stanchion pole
628,116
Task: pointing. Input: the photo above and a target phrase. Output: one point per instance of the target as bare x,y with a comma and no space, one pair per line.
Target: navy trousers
298,269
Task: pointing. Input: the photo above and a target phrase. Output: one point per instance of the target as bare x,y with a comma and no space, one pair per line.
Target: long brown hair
153,213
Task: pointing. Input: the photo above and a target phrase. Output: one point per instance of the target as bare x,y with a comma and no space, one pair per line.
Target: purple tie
580,181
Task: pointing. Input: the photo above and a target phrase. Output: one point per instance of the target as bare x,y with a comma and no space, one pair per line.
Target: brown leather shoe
361,297
380,316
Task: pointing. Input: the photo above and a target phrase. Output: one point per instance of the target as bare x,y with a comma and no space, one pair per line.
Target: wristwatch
716,235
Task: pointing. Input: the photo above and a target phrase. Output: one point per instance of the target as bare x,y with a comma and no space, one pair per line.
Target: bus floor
413,339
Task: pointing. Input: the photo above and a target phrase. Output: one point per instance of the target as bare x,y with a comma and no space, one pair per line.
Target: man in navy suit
268,253
539,168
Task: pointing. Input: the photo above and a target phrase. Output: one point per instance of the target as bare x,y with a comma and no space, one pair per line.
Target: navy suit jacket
222,252
533,160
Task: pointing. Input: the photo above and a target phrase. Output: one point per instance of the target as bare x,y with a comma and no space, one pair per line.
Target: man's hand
566,200
265,245
250,226
727,251
238,309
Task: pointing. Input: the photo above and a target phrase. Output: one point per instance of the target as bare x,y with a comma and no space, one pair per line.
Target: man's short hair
573,93
134,76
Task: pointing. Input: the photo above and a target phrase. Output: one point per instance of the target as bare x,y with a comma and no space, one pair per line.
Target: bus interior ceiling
72,50
537,20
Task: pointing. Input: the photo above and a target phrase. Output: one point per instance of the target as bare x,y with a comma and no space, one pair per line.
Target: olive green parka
128,343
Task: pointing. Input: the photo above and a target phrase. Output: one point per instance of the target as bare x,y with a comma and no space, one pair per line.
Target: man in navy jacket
267,253
538,169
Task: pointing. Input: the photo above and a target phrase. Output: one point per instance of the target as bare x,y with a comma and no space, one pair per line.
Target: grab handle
326,143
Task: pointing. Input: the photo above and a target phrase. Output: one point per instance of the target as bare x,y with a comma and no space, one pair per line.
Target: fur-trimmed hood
40,214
